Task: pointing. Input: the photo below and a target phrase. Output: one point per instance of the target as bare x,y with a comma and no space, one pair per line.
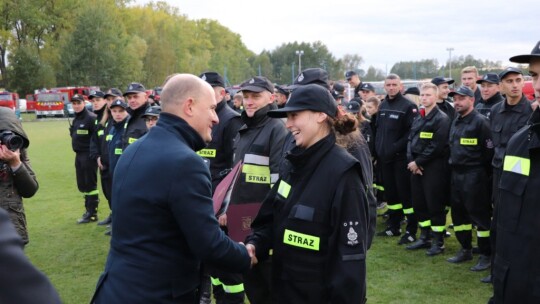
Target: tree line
110,43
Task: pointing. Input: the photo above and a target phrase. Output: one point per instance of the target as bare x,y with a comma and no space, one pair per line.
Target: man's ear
187,107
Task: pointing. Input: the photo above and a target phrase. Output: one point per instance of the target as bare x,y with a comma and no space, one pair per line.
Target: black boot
424,241
484,262
461,256
437,244
106,221
91,203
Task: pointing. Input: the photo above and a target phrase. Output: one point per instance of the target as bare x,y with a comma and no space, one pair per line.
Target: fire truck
9,100
49,104
30,103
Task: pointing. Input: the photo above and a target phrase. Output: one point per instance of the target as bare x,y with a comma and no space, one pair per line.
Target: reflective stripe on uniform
100,133
517,165
378,187
209,153
228,288
132,140
93,192
274,178
408,211
301,240
395,206
437,228
426,135
82,132
284,189
468,141
482,233
425,224
466,227
108,137
256,159
118,151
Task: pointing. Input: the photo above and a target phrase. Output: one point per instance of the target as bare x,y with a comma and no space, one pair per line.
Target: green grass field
73,256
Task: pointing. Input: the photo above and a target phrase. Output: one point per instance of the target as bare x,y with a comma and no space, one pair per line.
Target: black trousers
430,194
397,189
86,172
258,283
106,185
471,204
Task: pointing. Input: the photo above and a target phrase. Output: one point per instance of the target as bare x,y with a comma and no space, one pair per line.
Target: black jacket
135,126
484,106
516,269
98,144
219,151
447,108
81,130
429,137
259,144
470,141
315,219
163,221
394,123
505,121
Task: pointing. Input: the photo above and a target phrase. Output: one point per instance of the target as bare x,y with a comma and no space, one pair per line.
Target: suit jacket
163,221
20,281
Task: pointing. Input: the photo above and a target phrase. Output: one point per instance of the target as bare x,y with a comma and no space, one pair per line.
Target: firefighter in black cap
443,102
471,151
81,130
354,81
490,91
219,153
516,271
136,99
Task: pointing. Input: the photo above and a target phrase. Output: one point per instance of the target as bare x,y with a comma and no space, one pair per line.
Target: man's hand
99,164
12,158
414,168
251,251
222,219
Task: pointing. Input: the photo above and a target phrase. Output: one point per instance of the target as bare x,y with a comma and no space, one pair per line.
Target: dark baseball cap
152,111
282,90
311,76
489,77
463,91
113,92
336,94
535,53
412,91
440,80
134,88
311,97
339,87
350,74
353,106
118,103
509,70
96,93
367,87
257,84
213,78
77,97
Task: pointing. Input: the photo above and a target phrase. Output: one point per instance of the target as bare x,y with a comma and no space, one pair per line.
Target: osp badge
203,77
301,77
352,236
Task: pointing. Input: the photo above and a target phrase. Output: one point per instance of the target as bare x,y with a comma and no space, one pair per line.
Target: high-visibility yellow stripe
395,206
437,228
517,165
94,192
408,211
284,189
82,132
132,140
100,133
482,233
215,281
463,227
118,151
468,141
425,223
426,135
228,288
301,240
256,174
208,153
108,137
378,187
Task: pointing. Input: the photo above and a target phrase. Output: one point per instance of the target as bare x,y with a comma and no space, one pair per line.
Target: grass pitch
73,256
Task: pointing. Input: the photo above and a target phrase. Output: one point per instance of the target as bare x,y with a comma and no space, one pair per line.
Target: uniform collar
519,107
181,128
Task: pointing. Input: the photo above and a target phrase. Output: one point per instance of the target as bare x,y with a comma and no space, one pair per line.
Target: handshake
251,251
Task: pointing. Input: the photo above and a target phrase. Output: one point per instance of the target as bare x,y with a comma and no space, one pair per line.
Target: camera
11,140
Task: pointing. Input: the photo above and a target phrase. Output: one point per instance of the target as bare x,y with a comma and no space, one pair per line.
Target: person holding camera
17,179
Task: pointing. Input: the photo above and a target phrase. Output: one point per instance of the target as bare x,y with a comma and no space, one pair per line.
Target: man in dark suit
20,281
163,219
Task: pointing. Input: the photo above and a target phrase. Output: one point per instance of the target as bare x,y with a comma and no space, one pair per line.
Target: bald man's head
192,99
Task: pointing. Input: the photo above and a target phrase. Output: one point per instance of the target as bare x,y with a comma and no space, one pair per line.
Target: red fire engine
9,100
49,104
30,103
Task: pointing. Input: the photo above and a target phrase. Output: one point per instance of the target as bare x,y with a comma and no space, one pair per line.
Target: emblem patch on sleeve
352,236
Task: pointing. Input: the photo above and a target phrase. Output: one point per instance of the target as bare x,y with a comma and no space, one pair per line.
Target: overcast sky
383,32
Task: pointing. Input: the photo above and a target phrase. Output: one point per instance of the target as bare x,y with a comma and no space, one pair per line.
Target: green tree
28,71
